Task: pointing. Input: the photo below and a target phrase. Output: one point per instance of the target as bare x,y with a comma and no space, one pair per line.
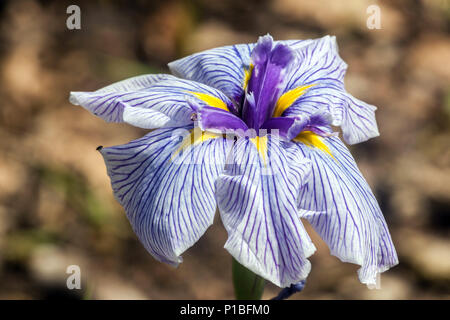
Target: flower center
263,81
263,103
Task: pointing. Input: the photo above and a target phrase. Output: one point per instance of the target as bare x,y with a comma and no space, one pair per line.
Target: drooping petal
168,193
339,204
257,202
320,65
149,105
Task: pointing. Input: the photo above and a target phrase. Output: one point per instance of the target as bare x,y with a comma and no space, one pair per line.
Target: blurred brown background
56,204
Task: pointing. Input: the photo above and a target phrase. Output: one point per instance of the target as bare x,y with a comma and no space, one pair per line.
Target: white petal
169,198
164,103
319,63
257,204
339,204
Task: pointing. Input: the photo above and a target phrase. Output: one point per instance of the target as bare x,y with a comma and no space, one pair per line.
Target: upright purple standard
247,129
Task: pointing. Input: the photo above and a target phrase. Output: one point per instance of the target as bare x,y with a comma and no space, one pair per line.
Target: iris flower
247,129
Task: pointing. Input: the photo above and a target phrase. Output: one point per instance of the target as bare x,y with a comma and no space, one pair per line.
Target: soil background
56,203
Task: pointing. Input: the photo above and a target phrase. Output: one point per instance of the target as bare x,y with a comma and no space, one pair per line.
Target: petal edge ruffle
339,204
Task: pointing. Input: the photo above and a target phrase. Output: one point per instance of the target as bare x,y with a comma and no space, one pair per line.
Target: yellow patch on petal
261,145
311,139
288,98
248,74
210,100
195,137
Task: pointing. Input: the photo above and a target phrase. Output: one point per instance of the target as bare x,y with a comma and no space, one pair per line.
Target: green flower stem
247,285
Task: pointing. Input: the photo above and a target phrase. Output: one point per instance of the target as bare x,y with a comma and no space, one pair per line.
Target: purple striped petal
169,202
339,204
288,128
149,105
221,68
257,203
319,63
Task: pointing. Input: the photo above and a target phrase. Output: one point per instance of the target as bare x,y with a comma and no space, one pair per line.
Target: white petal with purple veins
136,83
223,67
169,198
164,103
257,204
339,204
319,64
